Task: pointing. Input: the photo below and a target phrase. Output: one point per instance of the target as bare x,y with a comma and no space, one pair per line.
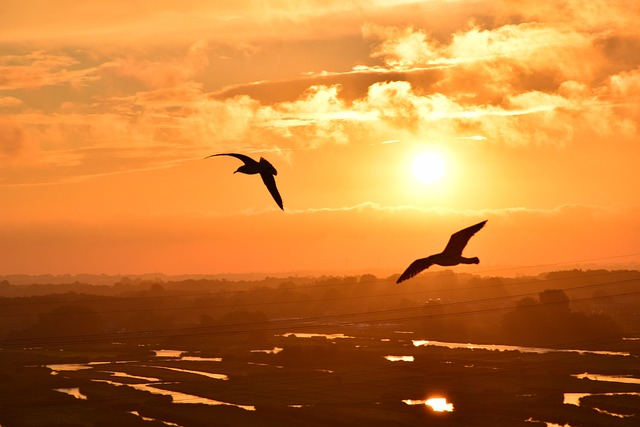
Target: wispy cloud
496,81
446,212
40,69
10,102
161,73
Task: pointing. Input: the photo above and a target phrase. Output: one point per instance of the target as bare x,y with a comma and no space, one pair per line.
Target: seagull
452,254
263,167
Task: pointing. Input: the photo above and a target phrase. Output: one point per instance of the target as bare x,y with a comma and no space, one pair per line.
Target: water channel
437,403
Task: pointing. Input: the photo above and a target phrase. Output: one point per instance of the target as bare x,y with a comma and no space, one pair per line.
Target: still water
167,423
399,358
176,396
439,403
574,398
73,391
626,379
149,383
312,335
204,374
496,347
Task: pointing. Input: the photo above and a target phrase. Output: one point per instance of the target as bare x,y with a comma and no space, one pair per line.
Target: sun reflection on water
399,358
438,404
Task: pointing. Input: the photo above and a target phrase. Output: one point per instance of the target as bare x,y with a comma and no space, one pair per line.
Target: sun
429,167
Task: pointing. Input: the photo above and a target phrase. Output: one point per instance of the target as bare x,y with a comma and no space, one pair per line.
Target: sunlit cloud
447,212
626,85
40,69
165,72
487,81
171,20
596,15
536,104
187,122
474,138
404,47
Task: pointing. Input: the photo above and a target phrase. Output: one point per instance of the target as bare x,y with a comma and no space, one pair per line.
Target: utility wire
306,322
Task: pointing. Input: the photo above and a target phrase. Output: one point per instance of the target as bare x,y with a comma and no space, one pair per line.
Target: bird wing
246,159
459,240
416,267
270,182
267,167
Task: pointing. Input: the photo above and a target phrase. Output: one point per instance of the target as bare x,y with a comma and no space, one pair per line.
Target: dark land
116,324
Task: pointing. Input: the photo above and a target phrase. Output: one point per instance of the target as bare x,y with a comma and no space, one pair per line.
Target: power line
116,299
308,322
218,282
561,263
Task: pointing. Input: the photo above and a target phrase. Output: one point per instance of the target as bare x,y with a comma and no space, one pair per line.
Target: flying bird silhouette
452,254
263,167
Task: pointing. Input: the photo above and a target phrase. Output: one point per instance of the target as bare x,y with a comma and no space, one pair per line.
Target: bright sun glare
428,167
439,404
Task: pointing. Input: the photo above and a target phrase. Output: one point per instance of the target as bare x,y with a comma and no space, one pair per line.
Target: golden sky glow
107,110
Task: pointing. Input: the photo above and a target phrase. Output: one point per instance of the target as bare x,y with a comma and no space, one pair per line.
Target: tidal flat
559,349
311,380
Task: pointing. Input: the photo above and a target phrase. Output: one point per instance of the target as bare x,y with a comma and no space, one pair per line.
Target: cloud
183,121
404,48
592,16
506,82
499,79
626,85
10,102
177,20
318,117
162,73
486,63
40,69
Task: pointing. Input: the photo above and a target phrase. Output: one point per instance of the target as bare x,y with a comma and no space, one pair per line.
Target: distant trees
431,321
549,321
440,305
243,318
237,325
64,321
554,300
70,319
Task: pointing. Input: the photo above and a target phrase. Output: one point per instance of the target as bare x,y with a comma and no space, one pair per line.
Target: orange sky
107,110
